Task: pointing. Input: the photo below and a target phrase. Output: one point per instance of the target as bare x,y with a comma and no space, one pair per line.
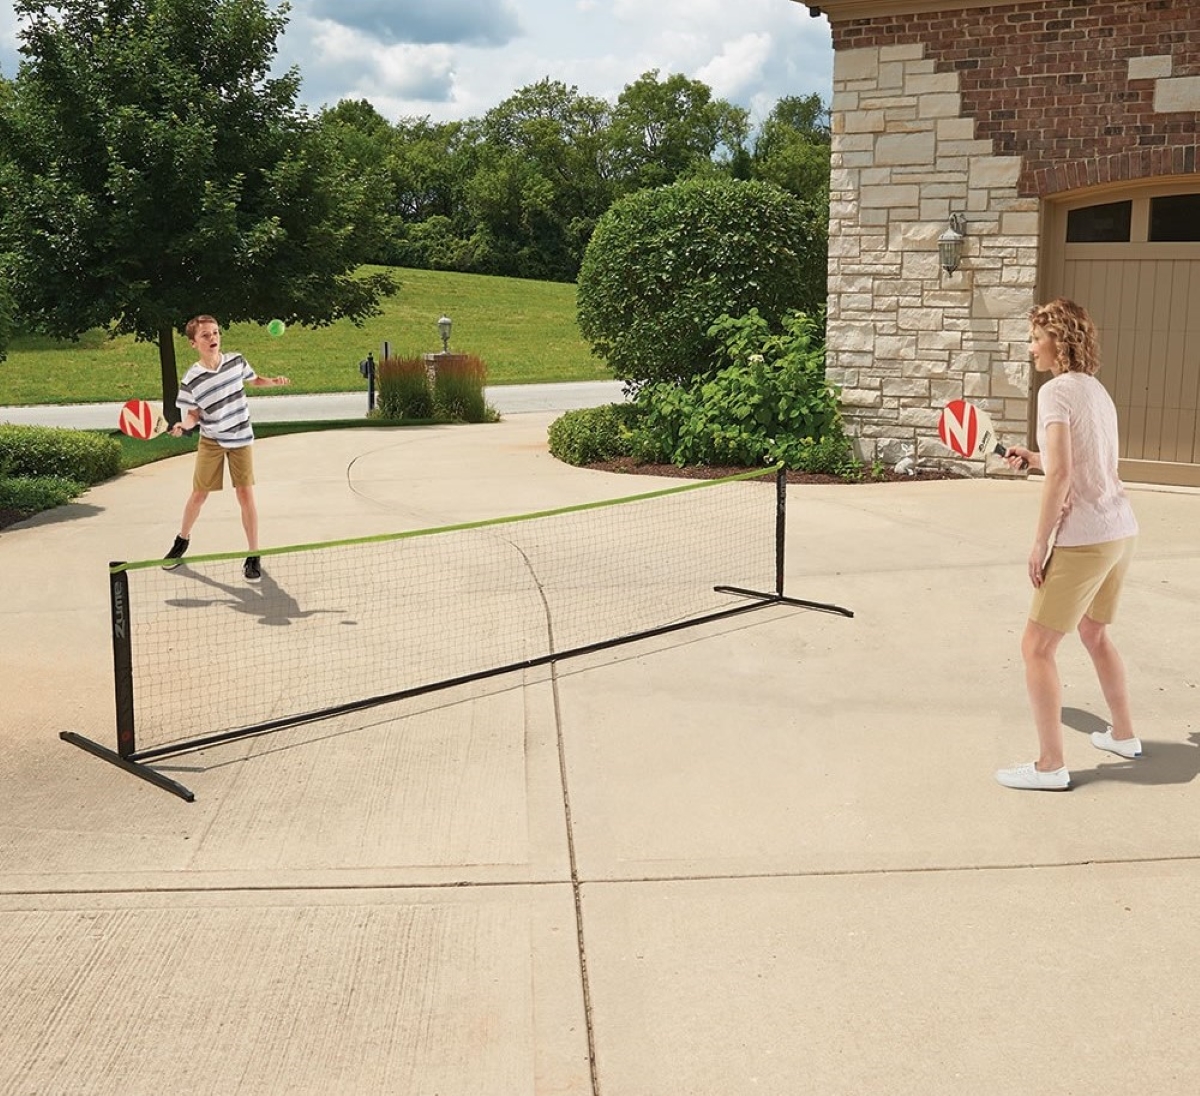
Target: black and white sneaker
251,568
176,553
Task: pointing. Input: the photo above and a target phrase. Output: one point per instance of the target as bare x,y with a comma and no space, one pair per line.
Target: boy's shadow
266,600
1160,763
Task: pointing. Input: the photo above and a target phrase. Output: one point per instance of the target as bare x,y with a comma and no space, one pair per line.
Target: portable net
202,656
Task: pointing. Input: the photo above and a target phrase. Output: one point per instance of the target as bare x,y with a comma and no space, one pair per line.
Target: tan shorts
1079,581
209,474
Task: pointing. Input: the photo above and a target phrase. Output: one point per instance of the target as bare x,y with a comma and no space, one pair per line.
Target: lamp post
444,325
950,243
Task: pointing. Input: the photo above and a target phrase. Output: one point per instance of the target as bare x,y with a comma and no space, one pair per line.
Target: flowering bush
768,402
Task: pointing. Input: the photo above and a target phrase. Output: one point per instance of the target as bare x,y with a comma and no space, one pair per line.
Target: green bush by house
766,402
664,265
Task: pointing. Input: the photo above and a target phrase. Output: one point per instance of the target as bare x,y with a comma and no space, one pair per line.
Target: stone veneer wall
983,111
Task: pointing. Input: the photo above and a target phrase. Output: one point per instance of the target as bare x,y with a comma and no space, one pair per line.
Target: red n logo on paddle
959,428
137,419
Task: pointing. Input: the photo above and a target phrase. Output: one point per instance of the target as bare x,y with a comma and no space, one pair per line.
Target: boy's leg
207,476
191,511
245,497
241,473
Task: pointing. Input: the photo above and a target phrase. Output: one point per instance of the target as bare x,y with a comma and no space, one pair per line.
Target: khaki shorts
209,474
1084,580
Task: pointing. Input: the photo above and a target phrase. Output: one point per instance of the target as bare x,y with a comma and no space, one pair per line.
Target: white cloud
474,22
363,67
738,65
9,58
452,59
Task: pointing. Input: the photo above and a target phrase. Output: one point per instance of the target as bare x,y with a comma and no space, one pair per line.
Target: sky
455,59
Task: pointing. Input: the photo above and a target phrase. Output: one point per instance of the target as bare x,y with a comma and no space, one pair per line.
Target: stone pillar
904,337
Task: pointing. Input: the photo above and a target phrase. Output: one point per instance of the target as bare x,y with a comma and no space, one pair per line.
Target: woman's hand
1019,458
1037,562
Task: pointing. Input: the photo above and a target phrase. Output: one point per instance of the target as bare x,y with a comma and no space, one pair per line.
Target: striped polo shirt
220,396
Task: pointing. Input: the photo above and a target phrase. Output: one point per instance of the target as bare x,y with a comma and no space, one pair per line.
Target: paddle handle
1001,451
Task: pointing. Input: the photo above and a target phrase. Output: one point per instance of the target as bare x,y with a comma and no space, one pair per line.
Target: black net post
780,526
118,585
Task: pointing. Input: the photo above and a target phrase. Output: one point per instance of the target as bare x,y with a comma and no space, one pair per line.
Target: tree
152,169
666,130
424,165
793,147
664,265
540,179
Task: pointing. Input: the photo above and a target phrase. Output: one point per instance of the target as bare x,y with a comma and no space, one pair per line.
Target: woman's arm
1056,463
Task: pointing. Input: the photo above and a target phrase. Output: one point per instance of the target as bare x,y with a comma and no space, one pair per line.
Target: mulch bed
9,517
627,466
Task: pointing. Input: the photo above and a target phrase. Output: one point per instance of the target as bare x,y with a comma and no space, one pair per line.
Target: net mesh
339,623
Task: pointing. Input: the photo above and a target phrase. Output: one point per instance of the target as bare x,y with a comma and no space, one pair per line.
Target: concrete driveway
765,855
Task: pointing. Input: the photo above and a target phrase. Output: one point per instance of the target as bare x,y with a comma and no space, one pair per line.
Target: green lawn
524,330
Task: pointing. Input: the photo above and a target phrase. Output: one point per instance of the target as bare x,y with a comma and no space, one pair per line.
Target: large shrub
768,403
80,455
663,265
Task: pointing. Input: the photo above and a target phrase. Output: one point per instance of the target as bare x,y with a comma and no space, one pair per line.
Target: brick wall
1051,82
983,111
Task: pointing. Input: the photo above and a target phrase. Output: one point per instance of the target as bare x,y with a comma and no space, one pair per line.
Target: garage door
1133,260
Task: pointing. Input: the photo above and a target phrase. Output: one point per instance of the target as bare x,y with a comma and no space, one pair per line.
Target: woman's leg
1039,647
1110,671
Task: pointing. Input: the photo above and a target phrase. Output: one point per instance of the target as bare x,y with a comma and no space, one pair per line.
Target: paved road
508,399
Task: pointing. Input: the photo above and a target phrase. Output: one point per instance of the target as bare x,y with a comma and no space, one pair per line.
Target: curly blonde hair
1076,344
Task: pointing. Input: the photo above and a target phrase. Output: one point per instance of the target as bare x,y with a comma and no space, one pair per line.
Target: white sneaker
1030,777
1122,747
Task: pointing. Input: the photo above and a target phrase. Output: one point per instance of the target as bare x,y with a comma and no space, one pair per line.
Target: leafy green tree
793,147
665,130
540,180
412,167
665,264
426,165
153,169
366,135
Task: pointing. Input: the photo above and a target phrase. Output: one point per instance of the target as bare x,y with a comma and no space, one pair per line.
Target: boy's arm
268,382
188,422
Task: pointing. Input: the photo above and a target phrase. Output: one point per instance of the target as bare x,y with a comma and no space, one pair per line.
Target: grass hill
524,330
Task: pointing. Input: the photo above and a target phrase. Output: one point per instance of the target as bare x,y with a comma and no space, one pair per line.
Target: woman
1085,537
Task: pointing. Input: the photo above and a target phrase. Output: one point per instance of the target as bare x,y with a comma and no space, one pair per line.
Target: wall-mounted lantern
950,243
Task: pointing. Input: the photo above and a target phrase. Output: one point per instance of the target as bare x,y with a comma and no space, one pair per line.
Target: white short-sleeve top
1097,509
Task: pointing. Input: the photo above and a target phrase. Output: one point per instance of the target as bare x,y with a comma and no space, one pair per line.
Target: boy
213,396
